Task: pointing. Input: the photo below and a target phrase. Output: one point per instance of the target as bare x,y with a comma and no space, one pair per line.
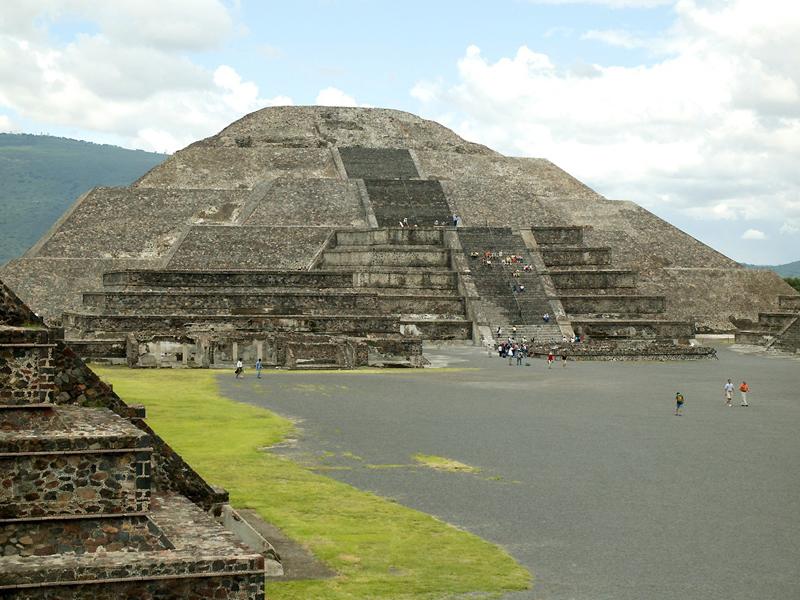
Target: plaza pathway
586,477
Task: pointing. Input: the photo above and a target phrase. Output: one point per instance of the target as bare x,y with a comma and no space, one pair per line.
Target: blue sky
688,107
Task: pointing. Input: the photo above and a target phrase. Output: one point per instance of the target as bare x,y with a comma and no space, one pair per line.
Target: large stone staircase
601,302
503,302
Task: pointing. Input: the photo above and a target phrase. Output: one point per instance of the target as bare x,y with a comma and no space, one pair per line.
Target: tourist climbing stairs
511,291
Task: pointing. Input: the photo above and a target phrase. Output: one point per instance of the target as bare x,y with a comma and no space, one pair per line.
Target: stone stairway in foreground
502,301
601,302
80,513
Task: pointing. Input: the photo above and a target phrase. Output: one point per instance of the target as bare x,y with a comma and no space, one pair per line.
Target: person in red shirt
743,389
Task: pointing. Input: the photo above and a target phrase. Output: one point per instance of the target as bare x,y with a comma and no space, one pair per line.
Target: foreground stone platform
93,503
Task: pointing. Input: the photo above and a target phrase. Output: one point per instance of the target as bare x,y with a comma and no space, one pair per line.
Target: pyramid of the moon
332,224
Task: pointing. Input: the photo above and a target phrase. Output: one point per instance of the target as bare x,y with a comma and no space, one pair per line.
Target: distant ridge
791,269
42,175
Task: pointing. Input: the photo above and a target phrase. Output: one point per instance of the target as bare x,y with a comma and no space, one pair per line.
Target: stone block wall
228,279
633,329
613,304
137,223
567,236
301,202
210,248
277,303
26,373
562,257
398,256
232,168
81,536
83,482
576,279
393,236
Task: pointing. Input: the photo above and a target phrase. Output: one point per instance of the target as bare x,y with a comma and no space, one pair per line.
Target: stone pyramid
338,222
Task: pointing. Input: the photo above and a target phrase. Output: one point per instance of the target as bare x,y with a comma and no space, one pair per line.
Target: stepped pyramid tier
299,230
93,503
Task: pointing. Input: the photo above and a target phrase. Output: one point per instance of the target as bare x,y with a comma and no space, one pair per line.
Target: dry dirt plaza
585,475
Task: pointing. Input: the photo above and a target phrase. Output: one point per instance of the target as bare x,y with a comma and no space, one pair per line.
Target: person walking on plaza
239,369
563,357
550,358
259,366
678,404
743,389
728,389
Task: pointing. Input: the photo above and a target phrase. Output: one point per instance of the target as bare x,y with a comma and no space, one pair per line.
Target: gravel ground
586,476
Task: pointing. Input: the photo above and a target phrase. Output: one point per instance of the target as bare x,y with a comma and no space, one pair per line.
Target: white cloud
614,37
132,77
711,122
331,96
754,234
6,125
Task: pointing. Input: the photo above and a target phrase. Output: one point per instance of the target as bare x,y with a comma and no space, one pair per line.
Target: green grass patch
379,549
440,463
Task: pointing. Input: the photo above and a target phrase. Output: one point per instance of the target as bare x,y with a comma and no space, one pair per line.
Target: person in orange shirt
743,389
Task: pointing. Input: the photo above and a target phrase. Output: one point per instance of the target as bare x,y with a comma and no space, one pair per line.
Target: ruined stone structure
314,236
779,329
93,504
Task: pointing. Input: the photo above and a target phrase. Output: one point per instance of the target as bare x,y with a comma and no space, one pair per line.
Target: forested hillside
41,176
791,269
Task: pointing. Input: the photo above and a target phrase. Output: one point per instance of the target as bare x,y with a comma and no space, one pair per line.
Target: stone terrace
88,507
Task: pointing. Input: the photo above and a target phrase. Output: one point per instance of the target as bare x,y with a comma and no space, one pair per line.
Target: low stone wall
770,320
291,303
789,302
578,279
354,257
633,329
385,236
565,257
98,349
81,536
753,338
547,236
198,587
578,305
406,279
211,279
85,482
608,350
358,326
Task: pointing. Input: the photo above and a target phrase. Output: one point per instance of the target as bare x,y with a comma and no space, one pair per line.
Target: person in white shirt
728,388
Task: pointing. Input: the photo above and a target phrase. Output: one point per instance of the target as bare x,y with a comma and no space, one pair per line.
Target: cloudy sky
690,108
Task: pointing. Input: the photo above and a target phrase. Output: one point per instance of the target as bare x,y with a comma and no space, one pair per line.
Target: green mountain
42,176
791,269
